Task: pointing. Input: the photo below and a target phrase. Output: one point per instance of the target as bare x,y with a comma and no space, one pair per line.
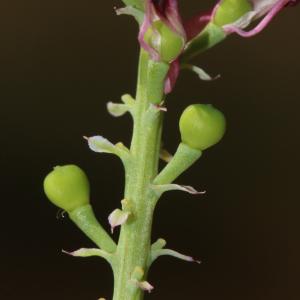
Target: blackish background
60,62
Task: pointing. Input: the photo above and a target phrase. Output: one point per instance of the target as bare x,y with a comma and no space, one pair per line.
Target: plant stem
133,249
85,219
183,159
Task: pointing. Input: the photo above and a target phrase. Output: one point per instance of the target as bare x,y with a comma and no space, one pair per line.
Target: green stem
133,250
207,39
184,157
85,219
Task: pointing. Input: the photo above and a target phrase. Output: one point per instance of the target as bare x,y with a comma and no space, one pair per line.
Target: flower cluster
166,36
168,42
230,15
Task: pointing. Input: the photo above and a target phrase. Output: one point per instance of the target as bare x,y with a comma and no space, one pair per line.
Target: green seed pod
67,187
230,11
165,41
201,126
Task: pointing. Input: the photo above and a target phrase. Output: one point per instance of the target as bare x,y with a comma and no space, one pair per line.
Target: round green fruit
201,126
67,187
165,41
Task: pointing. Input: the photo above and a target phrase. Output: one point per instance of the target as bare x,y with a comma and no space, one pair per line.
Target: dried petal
173,187
157,253
117,218
117,109
88,252
200,72
165,155
100,144
145,286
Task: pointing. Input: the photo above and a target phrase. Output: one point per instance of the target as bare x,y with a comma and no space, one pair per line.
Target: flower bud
67,187
229,11
201,126
166,42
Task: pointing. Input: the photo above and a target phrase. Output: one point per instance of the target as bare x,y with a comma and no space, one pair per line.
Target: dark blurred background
61,61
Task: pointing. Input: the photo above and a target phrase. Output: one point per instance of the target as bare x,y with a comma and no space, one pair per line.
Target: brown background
60,62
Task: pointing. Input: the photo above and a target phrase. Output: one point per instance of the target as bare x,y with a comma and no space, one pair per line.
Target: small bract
67,187
201,126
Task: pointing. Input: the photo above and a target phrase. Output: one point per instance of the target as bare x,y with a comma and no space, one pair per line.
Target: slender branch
85,219
184,157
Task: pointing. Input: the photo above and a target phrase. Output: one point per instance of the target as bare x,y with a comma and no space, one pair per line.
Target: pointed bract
145,286
202,74
117,217
161,252
100,144
89,252
160,189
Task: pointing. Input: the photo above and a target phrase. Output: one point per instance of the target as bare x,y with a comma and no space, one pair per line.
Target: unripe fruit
230,11
67,187
201,126
165,41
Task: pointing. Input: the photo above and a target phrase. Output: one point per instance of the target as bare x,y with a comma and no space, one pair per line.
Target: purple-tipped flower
164,36
230,15
162,33
265,9
236,15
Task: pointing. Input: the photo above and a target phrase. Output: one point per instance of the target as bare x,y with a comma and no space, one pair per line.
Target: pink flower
228,17
265,9
165,11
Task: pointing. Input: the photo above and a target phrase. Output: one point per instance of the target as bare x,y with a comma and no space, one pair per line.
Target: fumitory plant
168,43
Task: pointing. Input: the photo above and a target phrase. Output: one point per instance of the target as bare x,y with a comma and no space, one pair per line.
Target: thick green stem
85,219
184,158
133,249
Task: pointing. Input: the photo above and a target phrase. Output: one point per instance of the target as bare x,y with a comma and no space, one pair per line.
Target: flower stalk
167,44
135,238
